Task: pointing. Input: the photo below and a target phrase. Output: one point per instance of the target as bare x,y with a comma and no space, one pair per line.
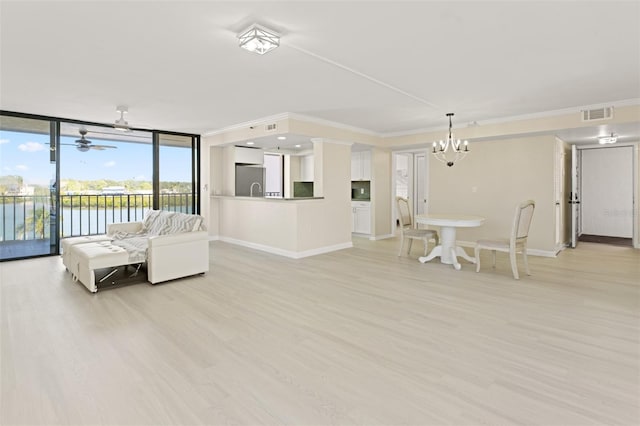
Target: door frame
411,181
636,182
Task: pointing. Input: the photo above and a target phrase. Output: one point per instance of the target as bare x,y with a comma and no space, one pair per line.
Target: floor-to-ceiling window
178,172
61,178
27,187
105,177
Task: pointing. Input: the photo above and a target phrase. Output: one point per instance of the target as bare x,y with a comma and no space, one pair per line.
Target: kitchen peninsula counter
292,227
267,198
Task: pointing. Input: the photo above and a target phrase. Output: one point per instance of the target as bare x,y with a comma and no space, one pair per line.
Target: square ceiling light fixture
258,39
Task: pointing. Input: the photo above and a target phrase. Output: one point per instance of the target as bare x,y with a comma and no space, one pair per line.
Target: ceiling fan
84,145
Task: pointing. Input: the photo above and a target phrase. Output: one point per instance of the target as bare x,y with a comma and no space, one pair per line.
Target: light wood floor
358,336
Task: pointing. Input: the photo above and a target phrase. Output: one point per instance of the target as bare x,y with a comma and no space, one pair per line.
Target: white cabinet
361,217
248,155
306,168
361,165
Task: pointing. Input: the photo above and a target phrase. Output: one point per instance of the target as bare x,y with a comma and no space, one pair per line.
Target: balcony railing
29,217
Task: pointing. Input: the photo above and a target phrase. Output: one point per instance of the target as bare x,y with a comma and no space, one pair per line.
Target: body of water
15,219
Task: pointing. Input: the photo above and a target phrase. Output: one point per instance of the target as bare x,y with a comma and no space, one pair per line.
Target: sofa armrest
179,238
128,227
177,255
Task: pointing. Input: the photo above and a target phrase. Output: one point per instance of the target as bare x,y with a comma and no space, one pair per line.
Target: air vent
605,113
270,127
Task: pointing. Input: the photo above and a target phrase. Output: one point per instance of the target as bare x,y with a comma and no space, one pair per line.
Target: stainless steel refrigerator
248,176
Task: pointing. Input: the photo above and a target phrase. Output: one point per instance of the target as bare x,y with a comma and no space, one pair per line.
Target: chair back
404,214
522,221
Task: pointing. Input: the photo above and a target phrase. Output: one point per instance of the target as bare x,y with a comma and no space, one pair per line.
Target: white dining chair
516,243
408,229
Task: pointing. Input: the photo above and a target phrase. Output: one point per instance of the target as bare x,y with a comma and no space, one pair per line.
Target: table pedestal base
448,250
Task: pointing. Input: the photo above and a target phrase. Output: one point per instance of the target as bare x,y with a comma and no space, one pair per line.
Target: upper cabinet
361,165
306,168
248,155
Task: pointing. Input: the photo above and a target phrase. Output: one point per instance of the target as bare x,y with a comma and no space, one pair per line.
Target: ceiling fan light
122,124
258,39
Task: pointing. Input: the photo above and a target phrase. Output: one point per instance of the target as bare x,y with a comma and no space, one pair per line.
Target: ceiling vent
270,127
604,113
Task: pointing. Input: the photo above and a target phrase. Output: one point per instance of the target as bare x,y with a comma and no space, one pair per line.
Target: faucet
251,190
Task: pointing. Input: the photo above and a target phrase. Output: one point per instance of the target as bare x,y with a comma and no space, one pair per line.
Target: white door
574,199
558,191
606,182
420,184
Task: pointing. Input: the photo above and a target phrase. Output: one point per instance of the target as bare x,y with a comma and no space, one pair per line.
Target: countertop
276,199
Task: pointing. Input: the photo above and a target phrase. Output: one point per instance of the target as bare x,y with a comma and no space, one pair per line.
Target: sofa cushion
180,222
160,222
150,221
136,248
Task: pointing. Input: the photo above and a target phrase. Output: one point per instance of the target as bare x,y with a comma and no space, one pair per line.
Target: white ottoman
69,242
91,256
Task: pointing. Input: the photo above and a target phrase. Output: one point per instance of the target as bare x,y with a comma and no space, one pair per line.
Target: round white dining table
448,251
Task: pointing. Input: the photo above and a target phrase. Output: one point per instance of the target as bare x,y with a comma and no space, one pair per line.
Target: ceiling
383,67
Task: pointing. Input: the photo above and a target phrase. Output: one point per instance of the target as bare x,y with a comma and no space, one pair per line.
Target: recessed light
282,138
608,139
298,146
250,143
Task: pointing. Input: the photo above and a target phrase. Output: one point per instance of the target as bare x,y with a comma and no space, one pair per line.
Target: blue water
73,221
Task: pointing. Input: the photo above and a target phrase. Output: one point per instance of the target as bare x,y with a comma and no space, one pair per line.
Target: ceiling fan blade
102,147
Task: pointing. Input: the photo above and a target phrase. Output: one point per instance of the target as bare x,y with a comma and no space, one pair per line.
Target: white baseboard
381,237
286,253
542,253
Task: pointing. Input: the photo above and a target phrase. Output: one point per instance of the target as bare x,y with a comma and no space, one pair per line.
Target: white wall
492,180
381,194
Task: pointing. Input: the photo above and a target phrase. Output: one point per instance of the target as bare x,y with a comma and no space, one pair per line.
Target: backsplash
361,190
303,189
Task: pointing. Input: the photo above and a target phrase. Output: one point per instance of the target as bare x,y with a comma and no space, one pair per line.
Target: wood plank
349,337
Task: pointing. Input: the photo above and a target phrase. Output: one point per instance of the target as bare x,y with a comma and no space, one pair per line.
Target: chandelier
450,150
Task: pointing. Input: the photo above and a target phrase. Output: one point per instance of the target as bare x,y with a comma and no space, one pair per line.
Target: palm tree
34,224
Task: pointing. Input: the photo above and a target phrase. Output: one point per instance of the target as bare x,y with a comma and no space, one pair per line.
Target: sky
27,155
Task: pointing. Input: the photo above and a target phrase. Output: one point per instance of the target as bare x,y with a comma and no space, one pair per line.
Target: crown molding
334,124
292,116
531,116
243,125
342,126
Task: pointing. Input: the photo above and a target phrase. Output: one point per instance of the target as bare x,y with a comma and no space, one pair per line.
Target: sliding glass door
177,168
105,177
63,178
28,190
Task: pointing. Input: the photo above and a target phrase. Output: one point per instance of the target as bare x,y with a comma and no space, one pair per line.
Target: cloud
31,147
21,167
3,141
110,164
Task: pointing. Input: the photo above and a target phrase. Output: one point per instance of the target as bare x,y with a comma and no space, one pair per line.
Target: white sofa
173,245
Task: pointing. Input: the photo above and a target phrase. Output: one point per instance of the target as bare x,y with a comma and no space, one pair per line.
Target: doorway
28,188
410,181
605,192
607,195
